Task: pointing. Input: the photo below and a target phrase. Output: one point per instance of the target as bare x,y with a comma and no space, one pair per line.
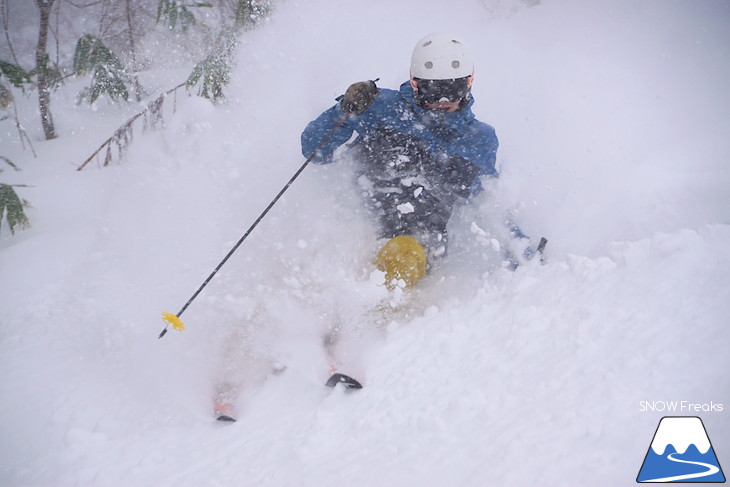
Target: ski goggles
432,91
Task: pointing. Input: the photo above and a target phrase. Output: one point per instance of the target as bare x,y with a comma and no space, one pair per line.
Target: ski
345,380
225,398
223,411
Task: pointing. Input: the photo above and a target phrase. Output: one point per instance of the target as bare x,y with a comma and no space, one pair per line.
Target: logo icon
681,452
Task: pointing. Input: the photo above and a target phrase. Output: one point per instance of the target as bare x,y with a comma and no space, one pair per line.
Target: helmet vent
455,64
428,65
427,43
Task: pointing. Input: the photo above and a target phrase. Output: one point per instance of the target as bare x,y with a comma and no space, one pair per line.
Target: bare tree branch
123,135
5,11
22,133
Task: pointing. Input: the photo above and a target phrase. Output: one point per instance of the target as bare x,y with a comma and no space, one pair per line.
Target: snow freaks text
680,407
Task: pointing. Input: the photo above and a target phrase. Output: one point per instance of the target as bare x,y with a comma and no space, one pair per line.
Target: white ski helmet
441,56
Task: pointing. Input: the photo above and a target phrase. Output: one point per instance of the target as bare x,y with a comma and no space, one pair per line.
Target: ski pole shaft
257,221
541,249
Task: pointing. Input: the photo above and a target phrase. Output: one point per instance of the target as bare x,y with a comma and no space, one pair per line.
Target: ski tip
345,380
223,411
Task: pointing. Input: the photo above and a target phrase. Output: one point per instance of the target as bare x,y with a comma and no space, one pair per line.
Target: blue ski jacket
440,133
413,163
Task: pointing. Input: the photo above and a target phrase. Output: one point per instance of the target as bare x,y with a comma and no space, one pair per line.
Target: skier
418,151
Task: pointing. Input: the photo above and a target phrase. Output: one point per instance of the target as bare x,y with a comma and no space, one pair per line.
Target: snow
689,431
613,122
405,208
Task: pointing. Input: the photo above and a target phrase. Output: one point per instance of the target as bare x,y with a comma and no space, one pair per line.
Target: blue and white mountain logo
681,452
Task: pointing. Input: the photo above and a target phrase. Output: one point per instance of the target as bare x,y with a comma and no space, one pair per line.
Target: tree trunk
41,61
132,47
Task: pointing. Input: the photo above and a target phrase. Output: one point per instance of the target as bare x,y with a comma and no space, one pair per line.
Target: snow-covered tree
108,75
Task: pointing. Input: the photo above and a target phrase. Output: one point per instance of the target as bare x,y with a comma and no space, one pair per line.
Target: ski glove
359,96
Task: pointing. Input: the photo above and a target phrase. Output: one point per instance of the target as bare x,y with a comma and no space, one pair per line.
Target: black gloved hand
359,96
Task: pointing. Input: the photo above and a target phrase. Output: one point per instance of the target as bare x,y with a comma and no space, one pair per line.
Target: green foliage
251,12
177,14
91,52
107,72
12,209
106,80
214,72
16,75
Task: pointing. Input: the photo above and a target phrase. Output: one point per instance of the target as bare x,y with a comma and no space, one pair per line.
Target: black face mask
431,91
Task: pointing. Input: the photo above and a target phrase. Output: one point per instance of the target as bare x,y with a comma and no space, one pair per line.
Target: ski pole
541,249
174,319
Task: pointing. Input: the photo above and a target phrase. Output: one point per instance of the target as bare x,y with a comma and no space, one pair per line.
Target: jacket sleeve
485,151
482,152
319,128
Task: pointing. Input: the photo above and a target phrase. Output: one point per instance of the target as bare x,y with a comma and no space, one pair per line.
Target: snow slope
613,119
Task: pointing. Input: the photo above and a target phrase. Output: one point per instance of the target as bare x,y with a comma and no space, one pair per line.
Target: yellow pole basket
174,321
